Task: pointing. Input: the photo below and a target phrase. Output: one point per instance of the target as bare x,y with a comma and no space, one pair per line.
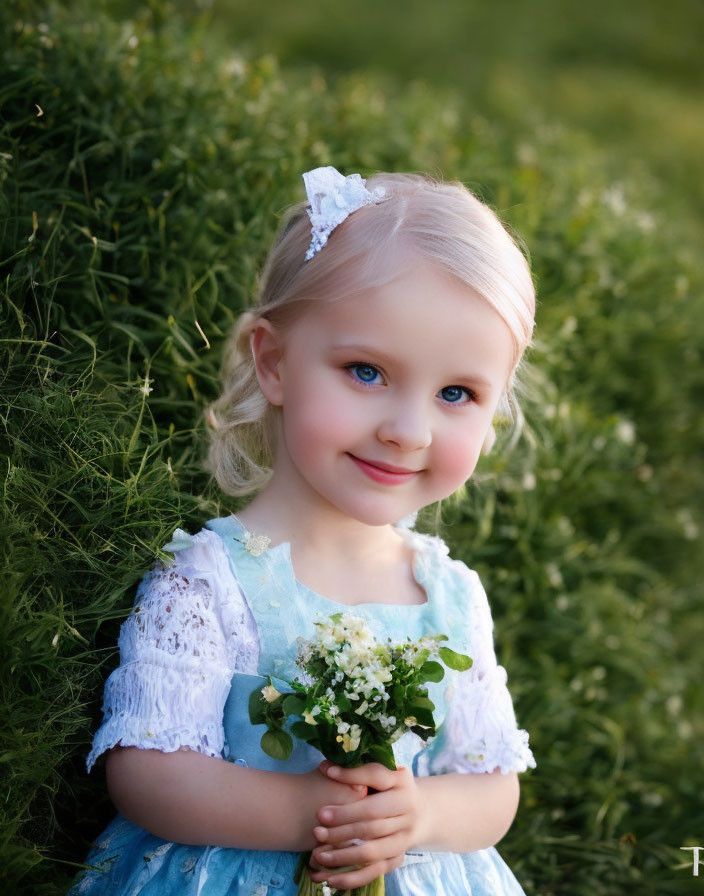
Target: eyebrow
474,378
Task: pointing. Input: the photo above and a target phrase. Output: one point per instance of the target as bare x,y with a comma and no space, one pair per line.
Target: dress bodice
285,610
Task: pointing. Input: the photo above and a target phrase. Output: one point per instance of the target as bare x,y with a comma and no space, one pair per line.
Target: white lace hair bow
332,198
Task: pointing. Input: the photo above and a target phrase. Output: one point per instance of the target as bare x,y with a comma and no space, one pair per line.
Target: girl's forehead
418,296
421,313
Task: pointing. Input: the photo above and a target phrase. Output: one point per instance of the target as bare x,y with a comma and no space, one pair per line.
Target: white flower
528,481
388,723
270,693
147,387
350,741
308,716
626,432
689,525
615,199
554,575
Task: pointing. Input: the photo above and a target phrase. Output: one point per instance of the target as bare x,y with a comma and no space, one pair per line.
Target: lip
388,474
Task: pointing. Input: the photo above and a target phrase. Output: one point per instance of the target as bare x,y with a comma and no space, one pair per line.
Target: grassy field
144,165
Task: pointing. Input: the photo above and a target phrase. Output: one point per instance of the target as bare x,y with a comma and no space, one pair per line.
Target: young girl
390,324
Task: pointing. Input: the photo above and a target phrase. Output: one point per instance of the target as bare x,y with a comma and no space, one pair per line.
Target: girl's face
386,396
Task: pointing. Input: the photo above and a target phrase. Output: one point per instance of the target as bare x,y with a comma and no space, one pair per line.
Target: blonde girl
390,324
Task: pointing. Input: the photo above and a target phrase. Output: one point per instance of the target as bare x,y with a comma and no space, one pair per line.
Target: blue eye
365,373
453,394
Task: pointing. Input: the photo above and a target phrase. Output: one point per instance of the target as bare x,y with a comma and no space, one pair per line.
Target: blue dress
220,573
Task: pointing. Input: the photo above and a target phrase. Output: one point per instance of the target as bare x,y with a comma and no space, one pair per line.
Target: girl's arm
467,812
452,812
190,798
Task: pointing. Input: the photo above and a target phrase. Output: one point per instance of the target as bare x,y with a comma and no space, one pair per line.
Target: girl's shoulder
197,574
194,596
432,551
203,553
457,582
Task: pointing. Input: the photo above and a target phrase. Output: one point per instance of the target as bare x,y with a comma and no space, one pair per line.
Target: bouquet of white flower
355,697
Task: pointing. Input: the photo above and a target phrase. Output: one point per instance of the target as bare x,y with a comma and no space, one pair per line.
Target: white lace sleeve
480,732
189,631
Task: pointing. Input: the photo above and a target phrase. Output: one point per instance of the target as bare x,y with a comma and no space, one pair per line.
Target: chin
379,517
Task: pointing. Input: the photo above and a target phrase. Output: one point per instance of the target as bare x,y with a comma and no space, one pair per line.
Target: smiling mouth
387,474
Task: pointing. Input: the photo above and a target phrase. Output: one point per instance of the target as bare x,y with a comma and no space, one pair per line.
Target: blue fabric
127,860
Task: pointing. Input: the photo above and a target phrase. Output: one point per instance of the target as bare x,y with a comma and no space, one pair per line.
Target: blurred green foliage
143,171
631,74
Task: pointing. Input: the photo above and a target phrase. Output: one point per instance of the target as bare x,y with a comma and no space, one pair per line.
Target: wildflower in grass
146,387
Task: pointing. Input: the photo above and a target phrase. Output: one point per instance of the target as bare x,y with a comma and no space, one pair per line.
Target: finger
348,880
377,805
362,852
359,830
314,864
373,774
323,769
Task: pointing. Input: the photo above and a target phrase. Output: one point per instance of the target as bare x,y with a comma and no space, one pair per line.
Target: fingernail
326,814
324,856
320,832
334,770
360,787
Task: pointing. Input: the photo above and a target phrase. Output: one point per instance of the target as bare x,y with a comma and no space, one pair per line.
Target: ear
267,352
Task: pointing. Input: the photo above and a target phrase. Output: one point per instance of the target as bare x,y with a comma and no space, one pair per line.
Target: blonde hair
422,218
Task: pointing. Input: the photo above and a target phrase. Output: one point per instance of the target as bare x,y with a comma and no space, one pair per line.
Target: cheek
316,420
457,457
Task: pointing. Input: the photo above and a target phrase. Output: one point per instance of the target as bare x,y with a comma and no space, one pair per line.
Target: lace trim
205,554
163,707
480,732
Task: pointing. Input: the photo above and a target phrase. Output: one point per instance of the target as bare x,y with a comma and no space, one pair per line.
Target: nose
406,425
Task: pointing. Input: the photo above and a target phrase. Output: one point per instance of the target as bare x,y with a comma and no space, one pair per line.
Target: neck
285,513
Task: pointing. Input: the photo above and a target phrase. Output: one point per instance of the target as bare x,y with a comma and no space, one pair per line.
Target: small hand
373,832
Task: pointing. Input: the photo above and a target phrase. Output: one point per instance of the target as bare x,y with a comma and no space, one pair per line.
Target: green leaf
304,731
384,754
423,733
256,707
293,706
457,661
420,658
424,717
431,671
421,703
277,743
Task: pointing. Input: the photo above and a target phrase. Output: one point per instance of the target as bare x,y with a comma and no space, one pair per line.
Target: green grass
628,73
135,212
